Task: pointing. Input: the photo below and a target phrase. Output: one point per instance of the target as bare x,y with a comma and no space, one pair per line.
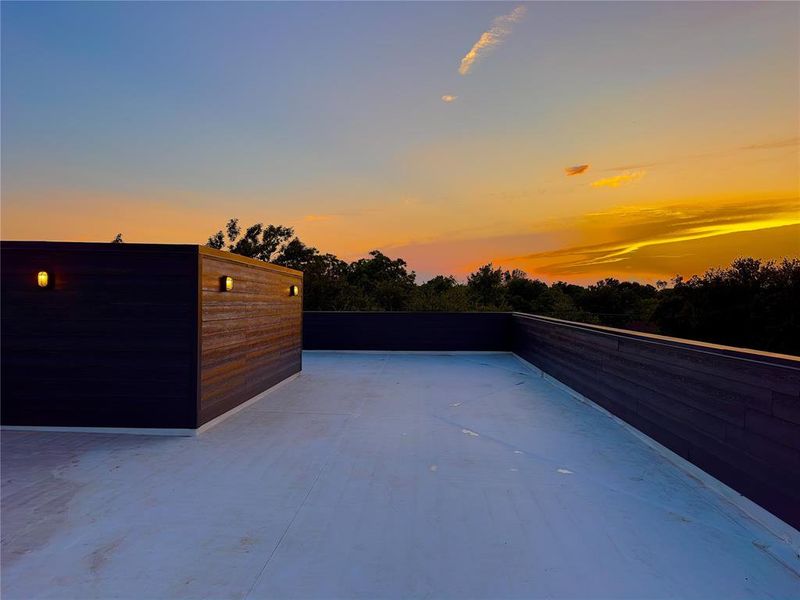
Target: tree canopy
751,303
257,241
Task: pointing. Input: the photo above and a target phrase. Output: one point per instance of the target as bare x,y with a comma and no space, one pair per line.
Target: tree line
751,303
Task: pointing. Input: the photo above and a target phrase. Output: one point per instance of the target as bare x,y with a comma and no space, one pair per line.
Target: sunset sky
572,140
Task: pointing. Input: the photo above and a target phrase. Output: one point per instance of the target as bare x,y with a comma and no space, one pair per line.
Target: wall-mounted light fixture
226,283
43,279
294,290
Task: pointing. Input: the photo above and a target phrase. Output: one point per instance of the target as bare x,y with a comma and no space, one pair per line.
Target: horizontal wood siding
250,336
734,414
113,342
406,331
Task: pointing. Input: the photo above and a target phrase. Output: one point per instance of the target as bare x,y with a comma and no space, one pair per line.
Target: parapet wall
733,413
420,331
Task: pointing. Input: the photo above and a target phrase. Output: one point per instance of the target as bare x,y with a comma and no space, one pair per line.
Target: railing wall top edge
772,358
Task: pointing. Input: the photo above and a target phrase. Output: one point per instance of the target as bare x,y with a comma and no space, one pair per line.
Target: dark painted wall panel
733,413
406,331
111,344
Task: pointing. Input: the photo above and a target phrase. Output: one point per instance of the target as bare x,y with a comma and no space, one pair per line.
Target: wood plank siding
250,337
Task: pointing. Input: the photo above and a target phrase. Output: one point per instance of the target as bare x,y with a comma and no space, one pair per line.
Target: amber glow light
294,290
43,279
227,283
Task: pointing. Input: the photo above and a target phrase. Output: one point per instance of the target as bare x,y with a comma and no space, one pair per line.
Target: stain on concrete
99,557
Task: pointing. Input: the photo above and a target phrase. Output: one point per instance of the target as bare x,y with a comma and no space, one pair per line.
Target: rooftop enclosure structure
381,475
140,335
732,412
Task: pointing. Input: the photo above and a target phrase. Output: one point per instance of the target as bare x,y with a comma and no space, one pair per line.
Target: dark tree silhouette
486,287
385,283
751,303
262,243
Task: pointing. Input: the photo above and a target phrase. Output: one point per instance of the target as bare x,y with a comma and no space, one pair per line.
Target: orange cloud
786,143
501,28
448,98
315,218
618,180
631,231
631,167
576,170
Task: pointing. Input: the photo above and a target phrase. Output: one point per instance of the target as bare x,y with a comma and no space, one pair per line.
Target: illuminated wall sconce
294,290
226,283
43,279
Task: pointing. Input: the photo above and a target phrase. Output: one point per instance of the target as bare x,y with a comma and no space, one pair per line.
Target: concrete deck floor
377,476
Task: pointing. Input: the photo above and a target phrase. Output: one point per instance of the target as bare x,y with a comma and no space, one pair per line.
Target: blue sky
164,119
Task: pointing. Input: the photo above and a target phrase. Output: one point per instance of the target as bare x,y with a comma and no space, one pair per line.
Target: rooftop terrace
381,475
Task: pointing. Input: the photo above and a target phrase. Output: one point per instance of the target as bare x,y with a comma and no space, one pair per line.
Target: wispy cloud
785,143
576,170
499,30
632,229
635,167
316,218
773,144
448,98
618,180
